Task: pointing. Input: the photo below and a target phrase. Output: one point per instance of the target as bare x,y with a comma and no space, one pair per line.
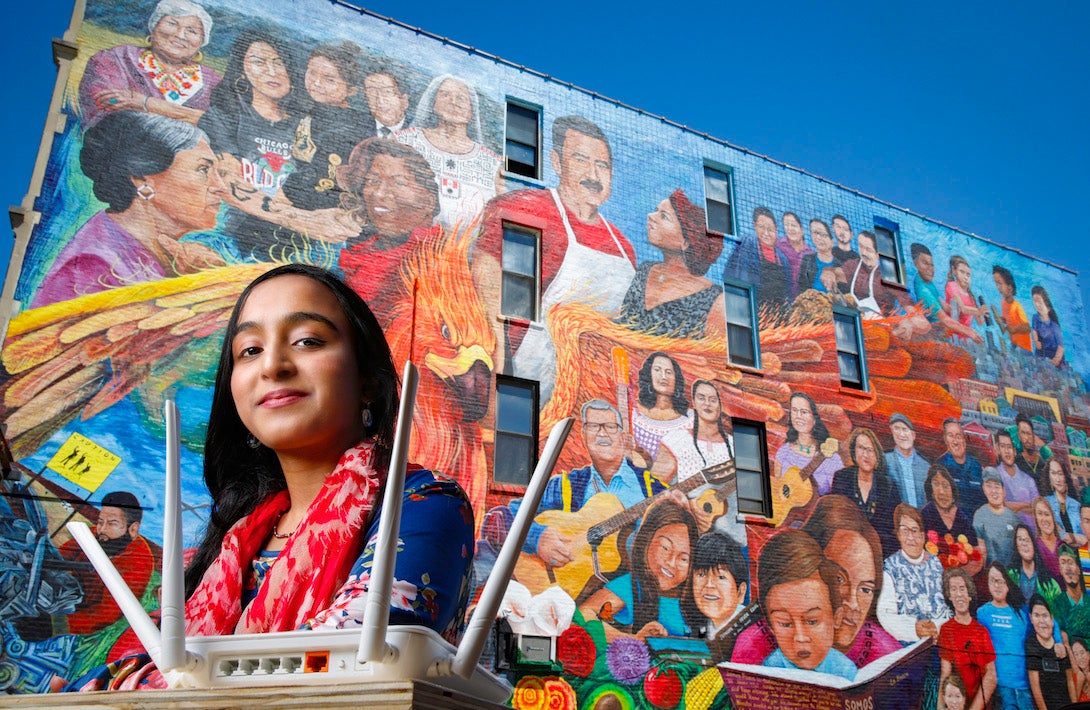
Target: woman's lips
280,398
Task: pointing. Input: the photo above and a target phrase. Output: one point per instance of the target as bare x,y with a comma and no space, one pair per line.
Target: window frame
535,278
535,169
764,473
728,173
894,231
531,438
754,325
860,353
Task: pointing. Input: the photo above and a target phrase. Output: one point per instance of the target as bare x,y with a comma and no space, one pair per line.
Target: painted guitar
793,489
593,531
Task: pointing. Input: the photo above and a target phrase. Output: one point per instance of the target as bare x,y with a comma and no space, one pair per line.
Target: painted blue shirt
835,663
669,608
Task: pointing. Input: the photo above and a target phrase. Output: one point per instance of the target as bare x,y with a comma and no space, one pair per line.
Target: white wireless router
377,652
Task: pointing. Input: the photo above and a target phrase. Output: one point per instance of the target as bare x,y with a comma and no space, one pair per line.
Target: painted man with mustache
583,258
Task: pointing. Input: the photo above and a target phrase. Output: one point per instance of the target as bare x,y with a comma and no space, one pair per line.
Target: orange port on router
316,662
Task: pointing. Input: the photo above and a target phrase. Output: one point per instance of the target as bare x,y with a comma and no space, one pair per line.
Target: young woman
648,601
1007,622
1050,679
1047,538
806,432
1027,563
252,125
1065,508
673,297
1080,668
685,452
794,247
447,132
326,136
662,405
953,693
1048,341
295,459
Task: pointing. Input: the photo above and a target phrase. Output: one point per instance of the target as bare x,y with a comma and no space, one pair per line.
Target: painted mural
925,541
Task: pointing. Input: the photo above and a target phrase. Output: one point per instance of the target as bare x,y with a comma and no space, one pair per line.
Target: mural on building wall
927,505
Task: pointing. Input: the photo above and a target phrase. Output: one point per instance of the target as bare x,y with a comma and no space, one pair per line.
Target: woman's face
668,556
453,103
823,241
266,71
188,193
176,40
1042,515
663,379
1039,304
706,404
325,84
1023,543
997,586
1057,479
942,492
1080,656
964,275
663,228
911,536
802,417
953,698
851,551
865,454
296,383
396,204
960,598
793,229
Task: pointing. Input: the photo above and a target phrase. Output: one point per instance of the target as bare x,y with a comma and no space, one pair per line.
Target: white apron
585,276
869,305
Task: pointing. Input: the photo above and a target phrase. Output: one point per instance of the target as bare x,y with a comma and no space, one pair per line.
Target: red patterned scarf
309,570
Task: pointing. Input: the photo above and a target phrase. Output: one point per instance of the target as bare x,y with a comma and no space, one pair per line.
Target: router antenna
376,612
173,589
469,651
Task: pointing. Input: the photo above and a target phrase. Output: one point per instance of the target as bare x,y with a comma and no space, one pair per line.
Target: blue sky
971,113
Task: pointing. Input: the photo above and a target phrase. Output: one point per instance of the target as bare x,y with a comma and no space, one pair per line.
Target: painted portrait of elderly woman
157,177
165,77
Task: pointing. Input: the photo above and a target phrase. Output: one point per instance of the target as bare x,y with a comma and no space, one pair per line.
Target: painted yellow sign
84,462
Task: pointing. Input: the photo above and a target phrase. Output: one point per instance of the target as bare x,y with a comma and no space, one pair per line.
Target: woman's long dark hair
1015,598
718,423
645,588
820,432
647,394
235,87
238,476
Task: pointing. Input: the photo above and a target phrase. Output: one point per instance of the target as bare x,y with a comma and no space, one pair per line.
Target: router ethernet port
290,664
316,662
248,665
269,665
227,667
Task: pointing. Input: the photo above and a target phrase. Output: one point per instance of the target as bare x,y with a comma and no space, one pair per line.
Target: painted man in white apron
583,258
862,278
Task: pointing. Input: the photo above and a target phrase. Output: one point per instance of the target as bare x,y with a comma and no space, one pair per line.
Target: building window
523,146
850,355
717,201
743,347
516,430
518,294
889,252
751,462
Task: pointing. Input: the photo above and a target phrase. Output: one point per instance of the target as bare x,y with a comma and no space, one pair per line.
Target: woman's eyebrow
291,319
